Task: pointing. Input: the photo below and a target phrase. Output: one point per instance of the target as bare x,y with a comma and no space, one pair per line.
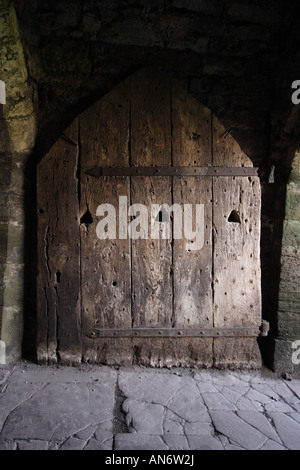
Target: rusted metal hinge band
172,171
171,332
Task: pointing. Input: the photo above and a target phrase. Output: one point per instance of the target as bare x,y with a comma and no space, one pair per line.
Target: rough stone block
94,444
144,418
6,31
292,207
231,46
260,422
7,445
32,445
223,67
288,430
69,58
6,167
291,232
5,140
188,404
19,102
12,208
56,411
12,61
139,442
16,178
206,7
288,301
204,443
216,401
12,279
3,248
289,324
259,14
150,386
11,331
11,244
72,444
237,430
23,131
283,354
176,442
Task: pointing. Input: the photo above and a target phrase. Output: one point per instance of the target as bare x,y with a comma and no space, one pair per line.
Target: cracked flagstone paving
103,408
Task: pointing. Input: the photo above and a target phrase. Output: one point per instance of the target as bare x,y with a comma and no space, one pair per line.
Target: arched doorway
121,290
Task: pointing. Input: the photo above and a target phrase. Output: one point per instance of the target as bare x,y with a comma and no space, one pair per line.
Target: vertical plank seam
78,164
46,248
212,238
130,199
213,222
55,313
173,319
57,303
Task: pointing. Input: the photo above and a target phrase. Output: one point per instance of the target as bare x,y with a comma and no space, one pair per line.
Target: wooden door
148,300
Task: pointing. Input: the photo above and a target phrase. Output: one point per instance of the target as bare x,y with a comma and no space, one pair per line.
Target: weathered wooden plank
151,146
46,317
150,119
191,128
237,252
155,352
236,353
191,144
236,258
192,268
105,263
226,150
58,253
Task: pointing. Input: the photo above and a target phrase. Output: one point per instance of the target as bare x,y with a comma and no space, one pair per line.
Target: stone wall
76,51
289,289
17,135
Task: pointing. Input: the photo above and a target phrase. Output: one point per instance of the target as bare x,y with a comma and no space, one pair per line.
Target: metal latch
2,92
2,353
264,328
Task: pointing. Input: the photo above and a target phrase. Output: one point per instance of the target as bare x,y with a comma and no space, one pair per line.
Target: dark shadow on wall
5,178
273,216
30,270
6,164
273,210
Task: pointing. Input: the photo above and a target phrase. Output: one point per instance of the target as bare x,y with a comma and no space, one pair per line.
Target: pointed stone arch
114,299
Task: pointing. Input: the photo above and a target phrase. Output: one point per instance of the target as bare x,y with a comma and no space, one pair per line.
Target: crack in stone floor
107,408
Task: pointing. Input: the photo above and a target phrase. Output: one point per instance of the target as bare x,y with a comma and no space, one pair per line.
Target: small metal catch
2,92
264,328
271,175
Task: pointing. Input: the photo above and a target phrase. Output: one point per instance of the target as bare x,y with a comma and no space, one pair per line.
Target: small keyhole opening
162,216
234,217
58,275
87,218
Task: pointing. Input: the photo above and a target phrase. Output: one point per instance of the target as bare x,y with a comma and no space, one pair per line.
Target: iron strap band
172,171
171,332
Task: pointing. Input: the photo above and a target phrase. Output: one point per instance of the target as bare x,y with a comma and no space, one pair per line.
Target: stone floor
90,408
